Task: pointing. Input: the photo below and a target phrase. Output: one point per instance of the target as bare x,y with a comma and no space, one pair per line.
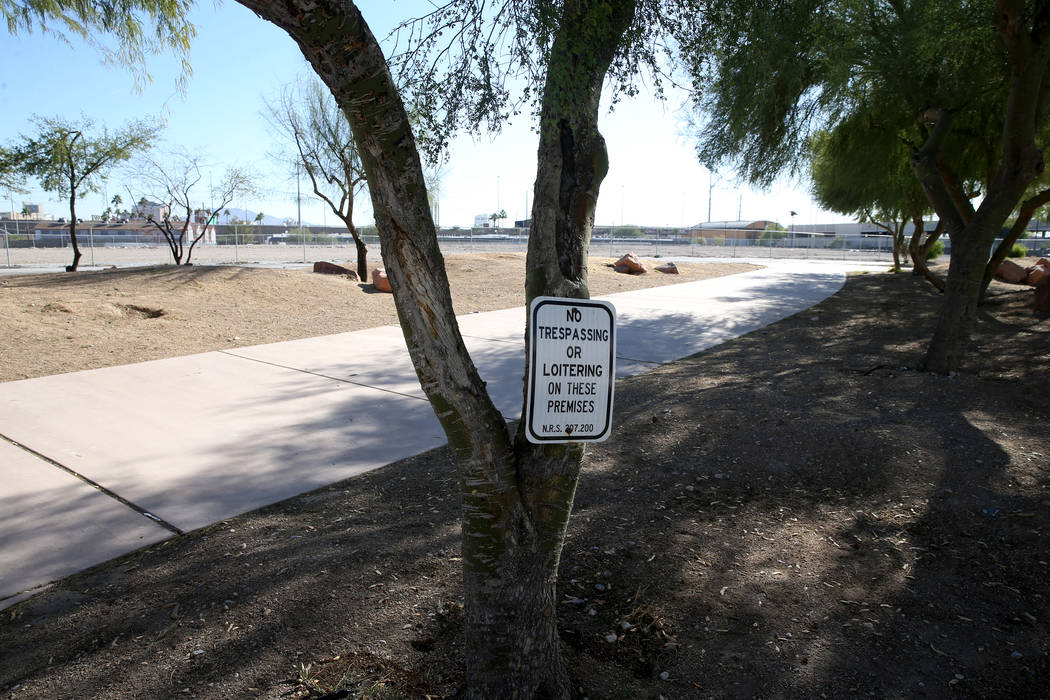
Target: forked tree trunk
919,249
516,497
1027,43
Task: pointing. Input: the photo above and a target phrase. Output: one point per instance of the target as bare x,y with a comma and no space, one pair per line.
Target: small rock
1016,655
664,676
631,262
668,268
380,281
599,586
610,638
327,268
625,625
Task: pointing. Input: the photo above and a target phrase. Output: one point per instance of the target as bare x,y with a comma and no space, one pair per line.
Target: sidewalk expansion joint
323,376
97,486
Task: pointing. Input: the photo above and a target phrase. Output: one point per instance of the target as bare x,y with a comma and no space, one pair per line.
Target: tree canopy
140,27
964,85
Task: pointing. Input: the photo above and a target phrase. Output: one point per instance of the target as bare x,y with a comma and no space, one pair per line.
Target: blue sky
240,60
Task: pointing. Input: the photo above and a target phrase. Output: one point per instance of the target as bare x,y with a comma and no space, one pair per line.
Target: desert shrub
936,250
1018,251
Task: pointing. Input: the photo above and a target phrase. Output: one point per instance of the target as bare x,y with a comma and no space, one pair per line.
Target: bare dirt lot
797,513
57,323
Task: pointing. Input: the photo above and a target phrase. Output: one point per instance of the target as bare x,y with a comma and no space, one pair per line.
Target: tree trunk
918,249
73,231
1028,51
516,499
362,252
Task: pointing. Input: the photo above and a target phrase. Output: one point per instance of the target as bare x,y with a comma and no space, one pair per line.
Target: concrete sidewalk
101,462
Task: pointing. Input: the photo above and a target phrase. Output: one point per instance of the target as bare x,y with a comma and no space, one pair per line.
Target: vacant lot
797,513
57,323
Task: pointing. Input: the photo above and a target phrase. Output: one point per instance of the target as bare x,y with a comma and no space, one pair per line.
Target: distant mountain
249,216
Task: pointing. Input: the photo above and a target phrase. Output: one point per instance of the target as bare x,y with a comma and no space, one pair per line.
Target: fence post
91,242
7,247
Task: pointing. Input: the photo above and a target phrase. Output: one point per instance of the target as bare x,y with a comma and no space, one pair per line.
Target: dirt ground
794,514
56,323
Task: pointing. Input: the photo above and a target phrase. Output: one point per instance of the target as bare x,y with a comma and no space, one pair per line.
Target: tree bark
918,250
362,253
73,231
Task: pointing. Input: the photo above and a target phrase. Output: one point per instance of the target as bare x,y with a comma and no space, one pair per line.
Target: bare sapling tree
325,148
172,185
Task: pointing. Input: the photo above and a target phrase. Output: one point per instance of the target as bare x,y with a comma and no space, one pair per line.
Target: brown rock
668,268
1038,276
380,281
1011,272
622,269
327,268
1041,301
631,262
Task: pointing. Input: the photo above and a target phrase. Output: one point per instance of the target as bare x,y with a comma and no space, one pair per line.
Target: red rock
1011,272
1038,276
622,269
667,268
631,262
327,268
380,281
1041,301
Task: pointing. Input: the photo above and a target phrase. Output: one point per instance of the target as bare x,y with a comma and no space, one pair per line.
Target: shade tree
969,80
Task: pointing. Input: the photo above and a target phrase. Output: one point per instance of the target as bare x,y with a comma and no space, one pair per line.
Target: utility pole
710,189
298,200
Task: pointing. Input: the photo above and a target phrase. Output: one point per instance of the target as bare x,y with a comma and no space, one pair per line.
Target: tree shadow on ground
786,515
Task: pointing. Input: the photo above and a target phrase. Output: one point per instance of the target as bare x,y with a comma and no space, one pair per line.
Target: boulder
380,281
327,268
1038,276
1011,272
668,268
1041,301
631,262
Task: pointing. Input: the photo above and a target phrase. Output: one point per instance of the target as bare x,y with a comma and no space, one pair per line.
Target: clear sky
239,61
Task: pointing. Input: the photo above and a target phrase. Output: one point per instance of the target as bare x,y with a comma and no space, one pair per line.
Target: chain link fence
24,249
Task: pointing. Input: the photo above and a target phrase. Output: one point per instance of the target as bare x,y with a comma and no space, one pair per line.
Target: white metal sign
572,370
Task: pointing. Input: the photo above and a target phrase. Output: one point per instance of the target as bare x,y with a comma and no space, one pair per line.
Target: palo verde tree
172,184
139,27
970,77
516,496
70,159
324,146
865,172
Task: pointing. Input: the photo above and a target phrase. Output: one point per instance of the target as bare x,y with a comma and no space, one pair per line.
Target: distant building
482,221
29,212
146,209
